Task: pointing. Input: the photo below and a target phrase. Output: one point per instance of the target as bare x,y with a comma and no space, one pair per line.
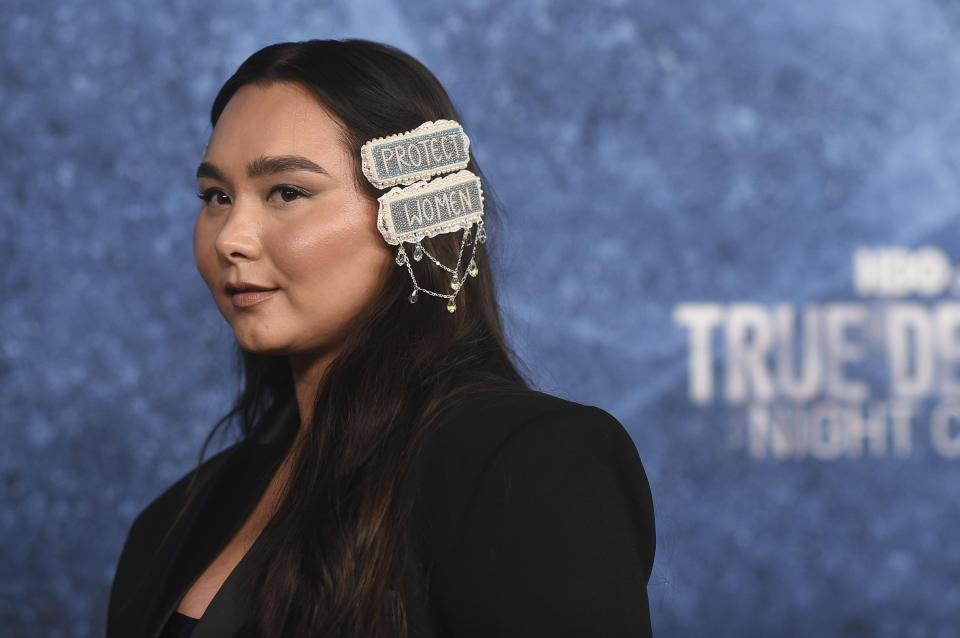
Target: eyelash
209,193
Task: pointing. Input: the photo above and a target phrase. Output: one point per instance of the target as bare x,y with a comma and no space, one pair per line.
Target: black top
179,626
530,516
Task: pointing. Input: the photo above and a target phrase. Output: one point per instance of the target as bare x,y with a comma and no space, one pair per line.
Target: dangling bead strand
470,237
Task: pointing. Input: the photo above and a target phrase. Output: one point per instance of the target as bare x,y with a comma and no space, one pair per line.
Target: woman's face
282,211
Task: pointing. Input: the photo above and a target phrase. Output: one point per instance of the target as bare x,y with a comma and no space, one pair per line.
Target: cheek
341,253
308,251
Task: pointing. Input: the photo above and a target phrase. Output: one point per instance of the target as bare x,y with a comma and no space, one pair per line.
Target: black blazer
530,516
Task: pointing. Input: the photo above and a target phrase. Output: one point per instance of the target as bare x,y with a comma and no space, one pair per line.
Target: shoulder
271,435
481,424
522,427
527,506
146,536
488,450
156,519
164,506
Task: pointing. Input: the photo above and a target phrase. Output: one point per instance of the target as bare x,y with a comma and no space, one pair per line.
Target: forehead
281,118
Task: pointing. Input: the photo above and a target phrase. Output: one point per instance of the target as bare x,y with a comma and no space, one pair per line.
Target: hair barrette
418,207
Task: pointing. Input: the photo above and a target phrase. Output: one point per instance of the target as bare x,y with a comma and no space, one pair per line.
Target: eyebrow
263,166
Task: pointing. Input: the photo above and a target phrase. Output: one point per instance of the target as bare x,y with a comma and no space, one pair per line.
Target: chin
260,344
277,352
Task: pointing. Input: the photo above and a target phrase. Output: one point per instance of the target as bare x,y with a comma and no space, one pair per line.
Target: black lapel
218,512
227,612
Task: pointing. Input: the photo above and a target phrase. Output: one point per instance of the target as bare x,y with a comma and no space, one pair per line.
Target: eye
215,196
288,193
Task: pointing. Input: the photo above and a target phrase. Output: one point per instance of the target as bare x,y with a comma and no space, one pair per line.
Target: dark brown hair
335,546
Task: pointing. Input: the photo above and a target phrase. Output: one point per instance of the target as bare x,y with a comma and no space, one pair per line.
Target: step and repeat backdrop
734,225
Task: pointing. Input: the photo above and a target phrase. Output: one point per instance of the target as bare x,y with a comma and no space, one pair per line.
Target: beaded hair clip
417,206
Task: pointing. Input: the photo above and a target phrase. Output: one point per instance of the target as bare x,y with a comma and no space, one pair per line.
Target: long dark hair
335,544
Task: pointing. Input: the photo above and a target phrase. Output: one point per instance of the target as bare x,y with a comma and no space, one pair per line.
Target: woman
395,475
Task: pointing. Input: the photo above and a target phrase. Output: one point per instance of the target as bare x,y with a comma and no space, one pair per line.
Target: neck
307,372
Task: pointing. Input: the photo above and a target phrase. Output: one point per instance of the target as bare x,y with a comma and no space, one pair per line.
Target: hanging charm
413,297
455,282
472,269
418,252
451,305
401,256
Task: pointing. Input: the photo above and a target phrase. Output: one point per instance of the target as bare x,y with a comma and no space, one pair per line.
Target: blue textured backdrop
649,155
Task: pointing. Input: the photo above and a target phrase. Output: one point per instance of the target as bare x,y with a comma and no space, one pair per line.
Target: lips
243,286
244,294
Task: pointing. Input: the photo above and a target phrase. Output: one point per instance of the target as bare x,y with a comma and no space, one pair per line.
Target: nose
239,236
